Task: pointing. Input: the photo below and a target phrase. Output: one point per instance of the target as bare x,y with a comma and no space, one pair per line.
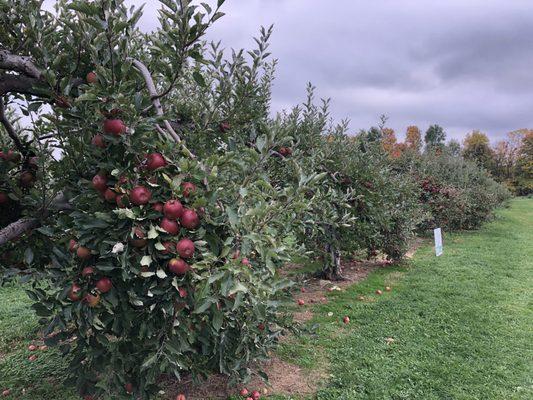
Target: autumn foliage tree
476,147
413,138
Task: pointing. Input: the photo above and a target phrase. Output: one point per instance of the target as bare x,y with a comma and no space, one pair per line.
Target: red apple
121,200
110,196
188,188
83,252
98,141
256,395
87,271
346,320
182,292
10,156
180,397
158,206
91,78
169,248
249,398
32,347
92,299
74,293
26,179
173,209
32,358
246,262
189,219
140,195
169,225
72,245
114,127
100,182
224,126
244,392
155,161
185,248
129,388
6,392
178,266
261,326
139,238
301,302
3,198
104,285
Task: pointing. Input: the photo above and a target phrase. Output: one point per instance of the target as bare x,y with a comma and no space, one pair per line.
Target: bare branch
9,129
19,84
18,228
143,70
21,64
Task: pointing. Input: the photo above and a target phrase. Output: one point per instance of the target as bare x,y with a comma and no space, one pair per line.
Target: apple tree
149,247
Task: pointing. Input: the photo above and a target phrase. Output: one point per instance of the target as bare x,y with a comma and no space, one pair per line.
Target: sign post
438,241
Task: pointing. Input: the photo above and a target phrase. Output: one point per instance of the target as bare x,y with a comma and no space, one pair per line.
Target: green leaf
84,7
146,261
204,305
217,321
28,256
199,79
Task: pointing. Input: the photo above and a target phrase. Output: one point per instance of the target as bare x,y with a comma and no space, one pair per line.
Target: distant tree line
509,161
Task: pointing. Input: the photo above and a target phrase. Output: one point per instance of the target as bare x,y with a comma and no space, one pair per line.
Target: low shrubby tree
144,255
455,193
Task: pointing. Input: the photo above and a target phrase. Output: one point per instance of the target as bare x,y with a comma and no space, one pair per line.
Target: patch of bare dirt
283,378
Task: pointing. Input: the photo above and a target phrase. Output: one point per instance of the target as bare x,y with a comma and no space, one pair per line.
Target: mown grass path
461,325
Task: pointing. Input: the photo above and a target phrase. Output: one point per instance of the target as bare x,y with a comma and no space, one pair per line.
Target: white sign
438,241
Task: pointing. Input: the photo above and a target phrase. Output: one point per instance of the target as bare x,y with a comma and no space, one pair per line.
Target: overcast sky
464,64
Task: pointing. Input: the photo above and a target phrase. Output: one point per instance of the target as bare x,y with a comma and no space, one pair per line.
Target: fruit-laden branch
21,64
18,228
9,129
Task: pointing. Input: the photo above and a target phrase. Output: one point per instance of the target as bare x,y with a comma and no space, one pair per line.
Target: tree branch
9,129
19,84
18,228
143,70
21,64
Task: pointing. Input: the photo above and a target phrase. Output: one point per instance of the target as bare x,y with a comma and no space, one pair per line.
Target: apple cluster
173,216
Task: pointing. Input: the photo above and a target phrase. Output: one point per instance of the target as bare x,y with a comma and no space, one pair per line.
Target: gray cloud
463,64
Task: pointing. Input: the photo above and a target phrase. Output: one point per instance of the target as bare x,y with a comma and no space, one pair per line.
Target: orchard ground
459,326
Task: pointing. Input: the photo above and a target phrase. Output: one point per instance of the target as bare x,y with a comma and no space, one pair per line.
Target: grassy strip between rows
462,324
454,327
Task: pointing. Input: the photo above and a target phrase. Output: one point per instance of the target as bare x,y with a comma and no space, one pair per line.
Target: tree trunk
332,268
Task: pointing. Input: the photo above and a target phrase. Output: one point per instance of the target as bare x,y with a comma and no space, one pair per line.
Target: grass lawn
461,324
455,327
